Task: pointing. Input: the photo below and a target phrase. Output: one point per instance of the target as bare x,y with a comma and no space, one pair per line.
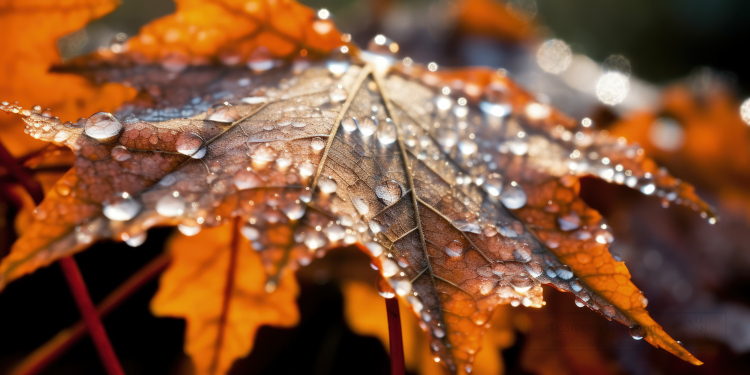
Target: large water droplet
338,95
569,222
318,143
264,153
494,184
260,60
250,232
389,268
454,248
121,208
223,113
103,126
189,230
245,179
190,144
388,192
338,66
468,226
136,240
637,332
349,124
294,211
387,133
306,169
385,289
170,205
367,126
513,196
564,272
327,185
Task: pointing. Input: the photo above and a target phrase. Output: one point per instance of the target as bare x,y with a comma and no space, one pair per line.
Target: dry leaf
216,283
313,155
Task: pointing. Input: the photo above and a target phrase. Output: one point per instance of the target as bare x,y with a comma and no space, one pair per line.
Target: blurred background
688,75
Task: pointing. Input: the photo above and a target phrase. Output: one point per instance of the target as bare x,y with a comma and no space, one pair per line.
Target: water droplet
402,287
250,232
189,230
637,332
349,124
328,185
338,95
609,310
121,153
388,267
495,109
446,136
576,285
136,240
264,153
190,144
367,126
388,192
564,272
569,222
306,169
170,205
337,66
318,143
122,208
521,284
295,211
513,196
103,126
467,146
554,56
648,189
245,179
387,134
314,239
612,87
454,248
467,226
385,289
260,60
375,248
299,124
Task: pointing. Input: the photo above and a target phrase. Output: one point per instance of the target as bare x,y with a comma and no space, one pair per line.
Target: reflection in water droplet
494,184
637,332
223,113
190,144
121,153
136,240
384,288
318,143
569,222
367,126
264,153
102,126
388,192
338,95
513,196
189,230
389,268
250,232
349,124
327,185
337,67
170,205
454,248
467,226
245,179
122,208
564,272
306,169
387,133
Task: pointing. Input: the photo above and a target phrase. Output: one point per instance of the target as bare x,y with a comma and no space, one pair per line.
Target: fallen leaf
494,19
314,155
216,283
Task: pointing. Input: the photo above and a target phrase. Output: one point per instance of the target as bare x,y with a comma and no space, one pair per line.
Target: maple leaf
216,282
35,27
355,149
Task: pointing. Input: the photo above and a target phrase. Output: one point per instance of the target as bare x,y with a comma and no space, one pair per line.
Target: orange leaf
364,310
217,284
493,18
30,31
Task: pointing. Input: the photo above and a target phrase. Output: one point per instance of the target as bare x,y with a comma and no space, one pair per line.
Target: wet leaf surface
462,187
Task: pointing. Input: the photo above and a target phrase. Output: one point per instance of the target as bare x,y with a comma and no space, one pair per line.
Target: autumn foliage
466,200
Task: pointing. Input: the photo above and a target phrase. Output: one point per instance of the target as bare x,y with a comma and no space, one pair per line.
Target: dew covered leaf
216,283
459,184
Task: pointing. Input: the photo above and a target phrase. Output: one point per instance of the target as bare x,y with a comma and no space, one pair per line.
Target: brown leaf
314,155
216,283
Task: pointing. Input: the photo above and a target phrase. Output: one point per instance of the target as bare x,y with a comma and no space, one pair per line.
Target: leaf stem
72,273
55,347
90,317
394,336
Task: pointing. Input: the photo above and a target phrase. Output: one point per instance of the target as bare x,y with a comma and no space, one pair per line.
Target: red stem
394,336
64,340
72,273
90,317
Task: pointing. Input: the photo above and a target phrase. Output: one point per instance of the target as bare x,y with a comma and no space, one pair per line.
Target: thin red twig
90,317
72,273
394,336
64,340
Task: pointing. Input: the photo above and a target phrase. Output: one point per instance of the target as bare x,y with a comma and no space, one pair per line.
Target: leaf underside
313,156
